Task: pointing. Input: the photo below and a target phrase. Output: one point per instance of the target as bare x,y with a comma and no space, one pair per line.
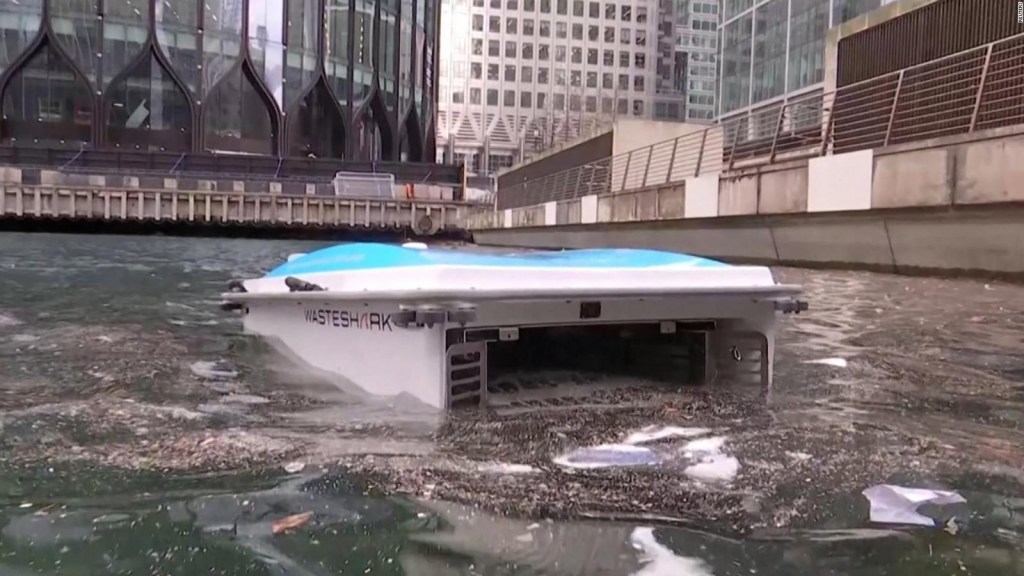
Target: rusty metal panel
940,29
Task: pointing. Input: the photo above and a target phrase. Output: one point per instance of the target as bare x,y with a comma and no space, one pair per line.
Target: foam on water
659,560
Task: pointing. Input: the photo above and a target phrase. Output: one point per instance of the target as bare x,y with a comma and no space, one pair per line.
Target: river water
142,433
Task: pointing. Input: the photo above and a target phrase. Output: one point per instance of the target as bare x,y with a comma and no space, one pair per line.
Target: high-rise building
346,79
521,76
696,24
771,50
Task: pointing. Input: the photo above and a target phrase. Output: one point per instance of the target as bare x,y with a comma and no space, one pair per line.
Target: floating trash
216,370
655,433
835,362
607,456
898,505
710,464
503,468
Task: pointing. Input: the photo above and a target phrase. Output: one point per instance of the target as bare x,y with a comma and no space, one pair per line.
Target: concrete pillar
507,220
550,213
701,200
588,209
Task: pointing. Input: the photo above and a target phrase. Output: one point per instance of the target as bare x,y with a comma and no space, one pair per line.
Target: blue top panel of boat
364,256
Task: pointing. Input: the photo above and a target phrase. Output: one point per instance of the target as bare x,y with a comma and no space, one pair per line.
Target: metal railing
978,89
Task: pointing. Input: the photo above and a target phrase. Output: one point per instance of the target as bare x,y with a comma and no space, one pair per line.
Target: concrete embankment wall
950,204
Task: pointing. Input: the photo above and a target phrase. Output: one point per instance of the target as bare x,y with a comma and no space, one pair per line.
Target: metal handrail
976,89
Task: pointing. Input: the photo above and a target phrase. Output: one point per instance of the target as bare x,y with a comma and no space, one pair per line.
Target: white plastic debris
836,362
654,433
710,464
607,455
898,505
505,468
658,560
294,467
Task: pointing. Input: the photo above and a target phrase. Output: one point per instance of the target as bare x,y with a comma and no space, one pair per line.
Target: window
559,102
474,95
525,99
492,72
527,51
577,31
622,106
459,70
492,97
562,7
544,52
510,99
478,22
476,70
512,4
510,49
641,37
609,34
591,79
526,74
638,107
559,53
542,99
527,27
542,75
638,83
458,97
577,55
609,58
494,24
592,56
606,105
561,30
609,11
641,14
606,81
494,48
626,13
577,8
594,10
559,77
545,29
576,78
593,33
478,47
623,82
591,104
529,6
510,73
545,6
511,25
639,60
624,36
623,59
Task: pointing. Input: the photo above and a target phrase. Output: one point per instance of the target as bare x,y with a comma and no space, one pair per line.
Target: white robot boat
441,324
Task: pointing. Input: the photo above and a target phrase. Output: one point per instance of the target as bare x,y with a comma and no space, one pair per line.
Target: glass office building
770,49
349,79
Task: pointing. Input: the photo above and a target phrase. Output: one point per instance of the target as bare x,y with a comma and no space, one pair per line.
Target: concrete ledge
977,241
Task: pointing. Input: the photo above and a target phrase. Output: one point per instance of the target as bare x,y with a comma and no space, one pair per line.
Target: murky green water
116,325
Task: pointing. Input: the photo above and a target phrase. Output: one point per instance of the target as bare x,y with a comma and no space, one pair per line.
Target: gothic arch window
317,127
412,140
304,27
75,24
46,104
148,111
125,31
236,118
336,56
373,134
176,24
266,45
222,41
22,21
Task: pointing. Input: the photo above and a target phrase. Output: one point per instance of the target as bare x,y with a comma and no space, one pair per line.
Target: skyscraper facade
347,79
522,76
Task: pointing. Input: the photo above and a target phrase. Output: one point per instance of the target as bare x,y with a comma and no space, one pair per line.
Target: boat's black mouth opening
570,365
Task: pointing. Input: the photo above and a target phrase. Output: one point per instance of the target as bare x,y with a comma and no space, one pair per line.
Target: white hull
390,332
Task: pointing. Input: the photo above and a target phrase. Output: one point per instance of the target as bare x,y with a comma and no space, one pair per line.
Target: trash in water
607,455
503,468
659,560
216,370
836,362
898,505
654,433
291,522
710,464
294,467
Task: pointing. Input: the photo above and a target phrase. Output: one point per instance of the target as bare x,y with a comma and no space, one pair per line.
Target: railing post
647,166
892,112
829,123
625,174
732,149
672,161
579,182
778,128
700,153
981,89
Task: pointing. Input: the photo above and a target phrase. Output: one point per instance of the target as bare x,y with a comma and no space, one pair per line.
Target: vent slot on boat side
466,374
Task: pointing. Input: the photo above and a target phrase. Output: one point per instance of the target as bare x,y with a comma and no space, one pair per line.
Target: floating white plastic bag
898,505
607,455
